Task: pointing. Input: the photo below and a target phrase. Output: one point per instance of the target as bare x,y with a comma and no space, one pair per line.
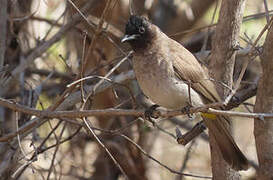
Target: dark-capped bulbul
164,69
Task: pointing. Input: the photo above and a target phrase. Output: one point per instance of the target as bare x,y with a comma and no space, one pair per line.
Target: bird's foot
186,110
150,113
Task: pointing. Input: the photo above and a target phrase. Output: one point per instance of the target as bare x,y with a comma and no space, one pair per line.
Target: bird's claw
186,110
150,113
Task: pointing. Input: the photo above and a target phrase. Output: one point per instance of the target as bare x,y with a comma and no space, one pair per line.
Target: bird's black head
137,32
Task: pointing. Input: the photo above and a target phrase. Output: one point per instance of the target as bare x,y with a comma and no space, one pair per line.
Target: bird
171,77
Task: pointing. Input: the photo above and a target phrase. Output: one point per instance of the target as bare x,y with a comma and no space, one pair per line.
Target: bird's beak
130,37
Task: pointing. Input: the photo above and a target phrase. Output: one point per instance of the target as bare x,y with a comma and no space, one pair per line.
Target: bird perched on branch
172,78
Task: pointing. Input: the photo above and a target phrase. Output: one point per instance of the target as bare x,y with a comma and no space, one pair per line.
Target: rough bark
221,66
3,30
9,58
263,129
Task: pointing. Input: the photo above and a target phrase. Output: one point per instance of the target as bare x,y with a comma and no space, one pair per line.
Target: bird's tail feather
229,150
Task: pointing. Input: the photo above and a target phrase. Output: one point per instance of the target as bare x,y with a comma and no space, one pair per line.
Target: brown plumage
164,68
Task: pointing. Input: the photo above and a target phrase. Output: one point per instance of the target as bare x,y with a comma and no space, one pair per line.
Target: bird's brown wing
188,69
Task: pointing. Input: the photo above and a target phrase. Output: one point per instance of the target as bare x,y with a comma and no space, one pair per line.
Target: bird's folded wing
188,69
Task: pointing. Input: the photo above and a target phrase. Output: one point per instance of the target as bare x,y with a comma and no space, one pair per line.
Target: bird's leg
186,110
189,92
150,113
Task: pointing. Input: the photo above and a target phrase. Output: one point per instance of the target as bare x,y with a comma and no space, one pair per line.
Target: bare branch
47,44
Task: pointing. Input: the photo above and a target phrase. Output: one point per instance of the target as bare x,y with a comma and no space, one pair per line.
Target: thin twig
105,148
204,46
243,70
91,94
119,112
47,44
123,112
18,136
55,152
53,25
81,13
82,65
161,164
68,102
97,32
42,149
266,10
245,19
186,159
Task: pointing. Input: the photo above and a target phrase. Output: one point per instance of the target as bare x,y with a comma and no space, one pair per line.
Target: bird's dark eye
141,30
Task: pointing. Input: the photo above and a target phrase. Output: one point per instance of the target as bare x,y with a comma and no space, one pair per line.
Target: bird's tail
230,151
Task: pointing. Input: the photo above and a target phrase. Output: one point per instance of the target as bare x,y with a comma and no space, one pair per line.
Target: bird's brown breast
155,75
